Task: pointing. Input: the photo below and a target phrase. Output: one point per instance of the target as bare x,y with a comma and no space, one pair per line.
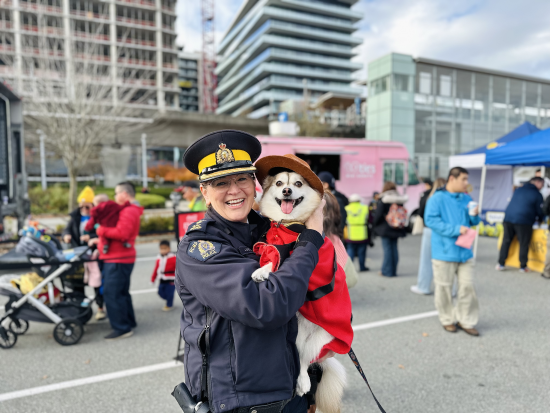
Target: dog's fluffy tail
330,390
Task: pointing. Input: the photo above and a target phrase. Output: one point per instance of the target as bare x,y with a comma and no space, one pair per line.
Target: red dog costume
328,303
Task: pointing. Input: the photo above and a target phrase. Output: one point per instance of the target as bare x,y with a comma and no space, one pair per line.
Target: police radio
187,402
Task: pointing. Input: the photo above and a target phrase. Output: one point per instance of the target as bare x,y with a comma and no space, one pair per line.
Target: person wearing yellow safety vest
192,194
357,234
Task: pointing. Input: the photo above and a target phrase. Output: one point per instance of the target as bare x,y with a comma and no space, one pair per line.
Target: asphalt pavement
412,364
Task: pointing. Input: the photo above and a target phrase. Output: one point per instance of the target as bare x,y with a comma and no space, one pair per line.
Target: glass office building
276,50
439,109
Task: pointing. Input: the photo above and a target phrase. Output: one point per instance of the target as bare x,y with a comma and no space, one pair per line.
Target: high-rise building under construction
275,50
130,43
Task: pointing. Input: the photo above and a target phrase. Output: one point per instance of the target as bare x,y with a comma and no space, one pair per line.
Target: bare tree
75,96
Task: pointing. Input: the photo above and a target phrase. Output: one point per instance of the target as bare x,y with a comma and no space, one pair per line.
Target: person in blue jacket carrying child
448,216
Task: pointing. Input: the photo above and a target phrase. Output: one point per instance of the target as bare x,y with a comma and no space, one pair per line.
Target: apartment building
189,81
131,44
275,50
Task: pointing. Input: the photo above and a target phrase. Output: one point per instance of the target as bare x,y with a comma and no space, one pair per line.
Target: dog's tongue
286,206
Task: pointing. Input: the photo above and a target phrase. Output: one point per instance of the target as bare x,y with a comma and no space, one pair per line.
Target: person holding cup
450,212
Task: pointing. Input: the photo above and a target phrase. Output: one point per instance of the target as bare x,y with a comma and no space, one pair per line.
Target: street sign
183,220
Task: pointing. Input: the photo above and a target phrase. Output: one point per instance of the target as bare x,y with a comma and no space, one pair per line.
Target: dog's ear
267,182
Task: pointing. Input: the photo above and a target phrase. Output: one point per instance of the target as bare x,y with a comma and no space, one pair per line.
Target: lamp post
42,159
144,159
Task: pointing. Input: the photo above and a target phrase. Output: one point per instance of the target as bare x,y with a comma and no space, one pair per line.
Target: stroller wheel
19,326
68,331
7,338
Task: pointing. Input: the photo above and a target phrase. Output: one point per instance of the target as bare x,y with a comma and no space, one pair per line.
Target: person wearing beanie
329,183
78,218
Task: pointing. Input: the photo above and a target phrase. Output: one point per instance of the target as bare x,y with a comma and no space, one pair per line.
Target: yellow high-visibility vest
356,222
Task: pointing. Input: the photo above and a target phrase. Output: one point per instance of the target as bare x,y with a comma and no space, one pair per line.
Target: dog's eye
298,184
279,183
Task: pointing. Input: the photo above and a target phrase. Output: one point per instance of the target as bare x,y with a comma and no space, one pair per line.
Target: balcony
97,58
6,25
41,52
136,42
6,3
168,10
32,29
8,48
138,62
23,5
85,35
136,22
171,67
140,83
89,15
137,3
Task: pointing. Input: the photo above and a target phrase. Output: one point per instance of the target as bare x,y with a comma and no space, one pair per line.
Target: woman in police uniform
240,352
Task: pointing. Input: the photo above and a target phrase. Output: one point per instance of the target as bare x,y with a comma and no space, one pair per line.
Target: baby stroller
69,312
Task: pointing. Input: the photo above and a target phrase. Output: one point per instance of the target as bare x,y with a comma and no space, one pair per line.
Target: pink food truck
359,166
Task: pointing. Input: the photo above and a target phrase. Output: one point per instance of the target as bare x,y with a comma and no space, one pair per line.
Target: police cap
222,153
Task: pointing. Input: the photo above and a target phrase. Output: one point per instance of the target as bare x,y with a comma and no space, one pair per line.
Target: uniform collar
247,233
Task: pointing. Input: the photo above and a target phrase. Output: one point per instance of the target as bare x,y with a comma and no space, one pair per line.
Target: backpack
397,216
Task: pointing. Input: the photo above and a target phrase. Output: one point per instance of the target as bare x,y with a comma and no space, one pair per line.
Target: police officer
240,353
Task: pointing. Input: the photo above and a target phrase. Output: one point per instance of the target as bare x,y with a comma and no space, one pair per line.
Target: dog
289,200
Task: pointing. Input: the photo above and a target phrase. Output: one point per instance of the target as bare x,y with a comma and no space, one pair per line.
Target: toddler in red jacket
165,270
105,212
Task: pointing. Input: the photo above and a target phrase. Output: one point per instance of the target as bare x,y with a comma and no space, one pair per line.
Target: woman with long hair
389,234
425,272
333,230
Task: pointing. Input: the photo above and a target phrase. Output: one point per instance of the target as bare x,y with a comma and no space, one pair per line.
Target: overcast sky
508,35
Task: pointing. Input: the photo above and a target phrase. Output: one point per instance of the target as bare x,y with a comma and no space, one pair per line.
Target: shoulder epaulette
199,225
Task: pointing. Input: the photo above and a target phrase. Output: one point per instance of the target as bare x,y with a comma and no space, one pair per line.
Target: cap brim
264,165
228,172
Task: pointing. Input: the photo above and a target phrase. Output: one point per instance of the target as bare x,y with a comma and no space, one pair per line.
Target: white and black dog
288,198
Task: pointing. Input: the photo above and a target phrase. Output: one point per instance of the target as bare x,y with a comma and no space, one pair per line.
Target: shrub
156,224
148,201
54,200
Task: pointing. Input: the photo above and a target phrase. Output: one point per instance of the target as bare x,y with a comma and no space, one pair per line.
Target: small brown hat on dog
291,162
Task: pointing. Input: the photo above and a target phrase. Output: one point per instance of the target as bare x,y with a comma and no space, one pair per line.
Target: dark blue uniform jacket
240,335
525,206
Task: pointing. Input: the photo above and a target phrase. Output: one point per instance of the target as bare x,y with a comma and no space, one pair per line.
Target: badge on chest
203,250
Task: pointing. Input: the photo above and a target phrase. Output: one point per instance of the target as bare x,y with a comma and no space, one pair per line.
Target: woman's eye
220,184
243,179
279,183
298,184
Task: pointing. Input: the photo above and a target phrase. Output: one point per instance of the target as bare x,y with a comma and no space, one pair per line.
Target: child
105,212
165,269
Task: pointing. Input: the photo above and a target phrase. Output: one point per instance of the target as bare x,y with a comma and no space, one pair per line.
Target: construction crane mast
208,58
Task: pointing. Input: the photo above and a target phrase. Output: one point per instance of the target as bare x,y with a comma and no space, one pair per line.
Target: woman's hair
332,217
439,183
388,186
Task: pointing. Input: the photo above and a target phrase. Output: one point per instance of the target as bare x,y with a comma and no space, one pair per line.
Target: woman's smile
235,203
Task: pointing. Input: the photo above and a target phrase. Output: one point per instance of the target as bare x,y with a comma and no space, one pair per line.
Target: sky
507,35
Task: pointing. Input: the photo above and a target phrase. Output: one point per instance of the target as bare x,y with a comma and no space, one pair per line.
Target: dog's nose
287,192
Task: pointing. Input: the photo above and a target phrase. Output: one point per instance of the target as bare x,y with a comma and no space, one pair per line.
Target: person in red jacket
165,270
119,262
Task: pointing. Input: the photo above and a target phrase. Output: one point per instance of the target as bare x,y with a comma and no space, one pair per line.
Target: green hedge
54,200
156,224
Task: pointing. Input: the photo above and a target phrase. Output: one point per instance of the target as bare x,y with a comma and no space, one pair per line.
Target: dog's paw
303,384
262,273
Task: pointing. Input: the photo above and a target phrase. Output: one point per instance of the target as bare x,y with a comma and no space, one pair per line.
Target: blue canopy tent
531,150
498,178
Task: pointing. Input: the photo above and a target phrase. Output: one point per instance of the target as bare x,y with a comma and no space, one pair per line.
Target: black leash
353,358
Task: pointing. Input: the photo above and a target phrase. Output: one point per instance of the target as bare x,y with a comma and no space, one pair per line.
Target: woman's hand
85,238
93,241
315,221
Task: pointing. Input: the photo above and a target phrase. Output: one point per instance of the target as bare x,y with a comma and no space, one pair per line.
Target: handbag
418,226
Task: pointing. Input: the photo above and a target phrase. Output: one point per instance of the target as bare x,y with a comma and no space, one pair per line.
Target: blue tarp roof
522,130
531,150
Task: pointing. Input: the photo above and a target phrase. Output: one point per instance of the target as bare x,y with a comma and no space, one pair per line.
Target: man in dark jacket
329,183
428,184
522,212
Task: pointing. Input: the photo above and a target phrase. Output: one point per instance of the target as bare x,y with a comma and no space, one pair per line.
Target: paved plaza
412,364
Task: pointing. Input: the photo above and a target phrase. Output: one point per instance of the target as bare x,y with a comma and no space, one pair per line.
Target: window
380,85
445,84
401,82
394,172
425,83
